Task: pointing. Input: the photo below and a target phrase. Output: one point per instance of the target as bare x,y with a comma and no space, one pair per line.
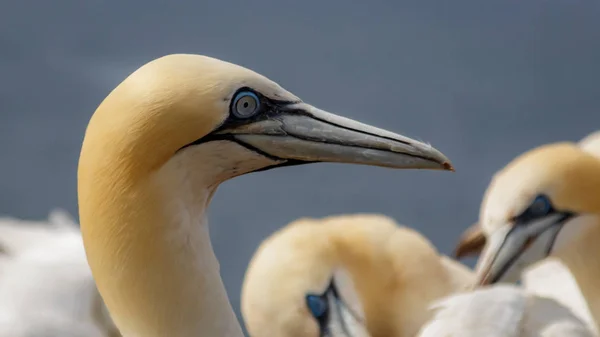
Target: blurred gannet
473,239
548,278
545,203
154,153
392,274
46,287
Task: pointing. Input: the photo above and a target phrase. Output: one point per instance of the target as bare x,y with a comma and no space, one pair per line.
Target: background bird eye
318,305
245,104
541,206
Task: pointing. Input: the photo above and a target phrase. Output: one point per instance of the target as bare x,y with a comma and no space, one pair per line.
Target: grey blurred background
481,80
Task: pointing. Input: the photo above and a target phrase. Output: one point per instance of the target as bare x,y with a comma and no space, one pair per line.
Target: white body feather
46,287
552,279
503,311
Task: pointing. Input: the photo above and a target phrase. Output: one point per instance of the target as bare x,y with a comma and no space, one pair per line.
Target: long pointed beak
301,133
514,247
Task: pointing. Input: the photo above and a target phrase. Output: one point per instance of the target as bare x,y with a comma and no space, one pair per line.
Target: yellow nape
395,273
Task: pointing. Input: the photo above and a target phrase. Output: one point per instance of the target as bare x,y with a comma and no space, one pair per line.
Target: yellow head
533,208
154,153
293,286
182,101
383,275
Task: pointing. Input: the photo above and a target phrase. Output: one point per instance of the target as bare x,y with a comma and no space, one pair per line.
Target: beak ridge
514,246
306,134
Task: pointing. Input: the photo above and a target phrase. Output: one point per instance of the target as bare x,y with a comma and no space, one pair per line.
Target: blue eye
245,104
540,206
318,305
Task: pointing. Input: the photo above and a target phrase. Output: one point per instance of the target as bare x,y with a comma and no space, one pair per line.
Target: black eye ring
245,104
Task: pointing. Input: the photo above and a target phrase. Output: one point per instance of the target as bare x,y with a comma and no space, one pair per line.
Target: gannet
549,277
153,155
473,239
46,287
544,203
392,274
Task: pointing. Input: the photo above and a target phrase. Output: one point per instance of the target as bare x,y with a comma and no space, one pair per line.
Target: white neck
157,271
202,305
202,288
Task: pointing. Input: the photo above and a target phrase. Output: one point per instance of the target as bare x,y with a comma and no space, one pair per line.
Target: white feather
552,279
502,311
46,286
18,235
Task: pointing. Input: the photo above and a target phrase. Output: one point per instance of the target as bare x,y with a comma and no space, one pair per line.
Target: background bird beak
344,321
499,251
471,242
513,247
302,133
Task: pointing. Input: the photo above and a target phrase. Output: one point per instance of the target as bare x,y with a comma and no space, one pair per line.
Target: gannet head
532,208
383,275
296,285
473,240
182,102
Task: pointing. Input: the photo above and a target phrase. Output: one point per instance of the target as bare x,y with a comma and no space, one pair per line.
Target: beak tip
435,155
447,166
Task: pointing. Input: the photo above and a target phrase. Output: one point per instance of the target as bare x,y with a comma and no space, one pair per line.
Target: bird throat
149,249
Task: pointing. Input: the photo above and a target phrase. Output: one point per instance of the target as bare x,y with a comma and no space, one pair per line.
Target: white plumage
502,311
46,287
550,278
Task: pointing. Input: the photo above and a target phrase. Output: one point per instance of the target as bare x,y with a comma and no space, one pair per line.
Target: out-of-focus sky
482,81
